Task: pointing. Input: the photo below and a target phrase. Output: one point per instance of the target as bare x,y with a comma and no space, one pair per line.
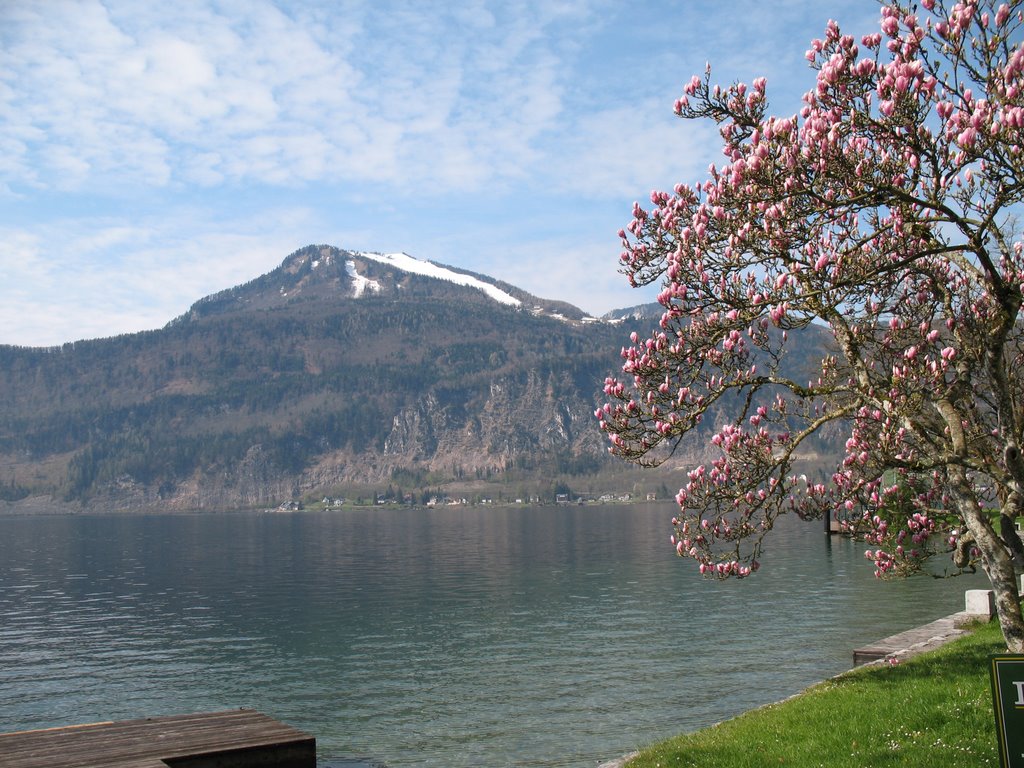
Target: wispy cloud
102,278
194,93
151,153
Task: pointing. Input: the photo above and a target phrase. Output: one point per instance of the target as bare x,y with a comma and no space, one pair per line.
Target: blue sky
154,153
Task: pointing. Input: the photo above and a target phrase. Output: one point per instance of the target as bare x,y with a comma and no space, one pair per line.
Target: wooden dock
241,738
917,640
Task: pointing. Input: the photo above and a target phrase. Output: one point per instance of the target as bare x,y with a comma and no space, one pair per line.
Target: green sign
1008,700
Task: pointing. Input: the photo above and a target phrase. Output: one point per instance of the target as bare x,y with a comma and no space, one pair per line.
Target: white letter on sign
1019,685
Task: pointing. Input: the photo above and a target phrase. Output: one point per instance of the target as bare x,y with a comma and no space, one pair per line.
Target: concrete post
981,602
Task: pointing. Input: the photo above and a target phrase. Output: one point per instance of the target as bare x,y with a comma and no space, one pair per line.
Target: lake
548,636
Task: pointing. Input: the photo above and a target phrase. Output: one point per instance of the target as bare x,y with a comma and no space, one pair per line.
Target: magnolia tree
885,212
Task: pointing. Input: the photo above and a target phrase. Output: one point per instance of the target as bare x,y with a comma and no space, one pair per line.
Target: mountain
651,312
338,373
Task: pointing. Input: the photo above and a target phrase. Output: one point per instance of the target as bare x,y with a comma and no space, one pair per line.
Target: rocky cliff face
511,417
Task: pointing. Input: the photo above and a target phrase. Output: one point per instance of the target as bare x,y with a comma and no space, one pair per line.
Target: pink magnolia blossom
876,215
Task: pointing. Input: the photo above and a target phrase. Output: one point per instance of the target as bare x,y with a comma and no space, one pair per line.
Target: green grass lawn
931,711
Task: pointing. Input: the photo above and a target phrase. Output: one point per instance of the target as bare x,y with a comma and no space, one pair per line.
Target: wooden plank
233,739
125,739
164,738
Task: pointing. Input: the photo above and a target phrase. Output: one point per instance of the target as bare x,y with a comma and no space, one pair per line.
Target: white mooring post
980,602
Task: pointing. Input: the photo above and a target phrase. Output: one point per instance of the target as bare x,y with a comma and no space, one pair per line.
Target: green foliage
12,491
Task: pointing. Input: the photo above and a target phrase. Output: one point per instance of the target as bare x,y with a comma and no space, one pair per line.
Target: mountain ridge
338,373
317,270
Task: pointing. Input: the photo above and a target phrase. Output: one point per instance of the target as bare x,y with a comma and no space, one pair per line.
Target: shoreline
42,506
914,641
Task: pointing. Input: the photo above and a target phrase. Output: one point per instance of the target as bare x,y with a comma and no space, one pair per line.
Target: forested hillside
305,383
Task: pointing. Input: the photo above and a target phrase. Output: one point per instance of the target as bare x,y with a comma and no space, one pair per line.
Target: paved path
928,637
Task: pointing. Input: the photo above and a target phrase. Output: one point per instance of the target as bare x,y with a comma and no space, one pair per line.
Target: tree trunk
1003,577
998,566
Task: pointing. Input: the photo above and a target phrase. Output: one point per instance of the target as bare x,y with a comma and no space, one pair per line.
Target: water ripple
533,637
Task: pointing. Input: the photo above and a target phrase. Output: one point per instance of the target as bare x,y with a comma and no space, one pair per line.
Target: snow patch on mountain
359,283
327,259
407,263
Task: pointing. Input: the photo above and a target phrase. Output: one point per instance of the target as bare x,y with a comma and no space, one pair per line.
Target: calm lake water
554,636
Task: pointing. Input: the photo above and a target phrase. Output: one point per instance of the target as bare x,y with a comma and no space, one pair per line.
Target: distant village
409,500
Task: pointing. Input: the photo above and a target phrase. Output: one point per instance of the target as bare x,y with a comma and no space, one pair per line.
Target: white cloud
624,152
152,153
95,91
104,277
581,272
141,92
